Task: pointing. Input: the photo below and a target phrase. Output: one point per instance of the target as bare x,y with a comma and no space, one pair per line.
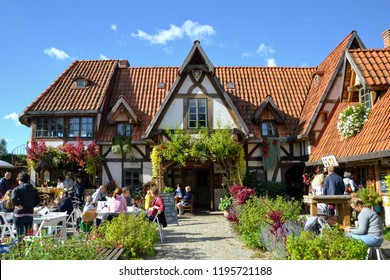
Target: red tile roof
286,85
374,65
373,138
61,95
327,72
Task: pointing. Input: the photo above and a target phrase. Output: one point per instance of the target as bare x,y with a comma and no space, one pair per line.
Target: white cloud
190,29
271,62
56,53
13,117
103,57
263,51
114,27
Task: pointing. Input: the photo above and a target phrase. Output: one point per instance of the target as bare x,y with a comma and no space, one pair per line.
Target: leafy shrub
275,243
266,188
134,233
241,193
225,203
169,190
49,248
252,217
333,244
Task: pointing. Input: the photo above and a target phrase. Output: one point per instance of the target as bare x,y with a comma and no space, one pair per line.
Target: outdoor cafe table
341,201
50,220
130,210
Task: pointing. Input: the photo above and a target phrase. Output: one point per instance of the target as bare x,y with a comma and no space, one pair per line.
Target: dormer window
81,82
123,129
269,129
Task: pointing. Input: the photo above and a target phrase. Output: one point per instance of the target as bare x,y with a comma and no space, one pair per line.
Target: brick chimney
123,63
386,38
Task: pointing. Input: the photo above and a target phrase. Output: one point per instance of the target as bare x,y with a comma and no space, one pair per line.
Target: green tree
3,148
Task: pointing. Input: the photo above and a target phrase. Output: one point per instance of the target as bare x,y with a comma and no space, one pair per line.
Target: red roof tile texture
374,65
319,90
286,85
374,137
62,95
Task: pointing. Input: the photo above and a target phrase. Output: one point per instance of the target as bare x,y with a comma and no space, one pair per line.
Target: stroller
316,224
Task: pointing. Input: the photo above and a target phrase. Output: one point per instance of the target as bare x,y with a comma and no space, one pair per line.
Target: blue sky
39,39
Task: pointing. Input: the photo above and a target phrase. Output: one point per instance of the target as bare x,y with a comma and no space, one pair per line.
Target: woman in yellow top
148,198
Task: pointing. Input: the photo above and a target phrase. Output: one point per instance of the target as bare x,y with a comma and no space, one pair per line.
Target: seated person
187,199
118,203
6,202
156,207
178,191
370,229
64,202
89,204
99,194
129,200
6,205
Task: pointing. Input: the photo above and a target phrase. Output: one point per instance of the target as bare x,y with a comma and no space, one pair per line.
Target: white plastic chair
7,229
72,220
160,228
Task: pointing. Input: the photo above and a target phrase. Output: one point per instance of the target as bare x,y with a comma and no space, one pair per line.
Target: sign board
329,161
170,210
383,182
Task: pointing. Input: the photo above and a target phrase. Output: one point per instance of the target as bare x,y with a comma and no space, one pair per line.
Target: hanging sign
329,161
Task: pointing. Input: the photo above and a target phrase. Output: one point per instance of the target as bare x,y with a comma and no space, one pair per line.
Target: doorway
199,181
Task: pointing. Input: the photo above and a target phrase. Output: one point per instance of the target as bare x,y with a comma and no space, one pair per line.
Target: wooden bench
110,253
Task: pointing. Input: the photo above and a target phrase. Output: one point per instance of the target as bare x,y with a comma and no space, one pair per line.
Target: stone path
208,236
202,236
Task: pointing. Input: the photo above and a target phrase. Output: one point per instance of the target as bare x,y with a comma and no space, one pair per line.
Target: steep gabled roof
373,141
268,102
139,85
63,97
327,72
373,65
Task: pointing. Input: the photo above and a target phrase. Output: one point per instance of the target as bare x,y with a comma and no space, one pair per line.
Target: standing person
118,203
25,197
370,229
317,188
4,183
79,190
333,185
187,199
68,183
99,194
64,203
349,183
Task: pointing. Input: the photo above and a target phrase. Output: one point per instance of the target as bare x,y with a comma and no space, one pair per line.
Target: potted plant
225,204
169,190
370,197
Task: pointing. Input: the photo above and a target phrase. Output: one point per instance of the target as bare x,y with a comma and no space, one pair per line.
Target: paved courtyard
208,236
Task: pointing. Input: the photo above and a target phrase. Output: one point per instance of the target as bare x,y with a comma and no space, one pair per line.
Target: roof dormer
81,82
122,112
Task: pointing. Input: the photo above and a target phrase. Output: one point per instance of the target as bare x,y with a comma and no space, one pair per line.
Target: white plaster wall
185,86
209,87
174,116
197,90
147,172
55,143
220,113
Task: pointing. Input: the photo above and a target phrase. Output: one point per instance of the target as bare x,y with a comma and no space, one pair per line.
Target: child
178,192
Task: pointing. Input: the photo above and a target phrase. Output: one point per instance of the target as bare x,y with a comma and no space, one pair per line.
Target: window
81,83
197,112
365,97
80,127
269,128
132,178
123,129
49,128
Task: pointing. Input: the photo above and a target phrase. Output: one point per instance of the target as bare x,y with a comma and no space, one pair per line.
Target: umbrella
4,164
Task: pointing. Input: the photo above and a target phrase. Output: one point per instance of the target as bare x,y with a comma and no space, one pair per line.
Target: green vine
217,146
121,144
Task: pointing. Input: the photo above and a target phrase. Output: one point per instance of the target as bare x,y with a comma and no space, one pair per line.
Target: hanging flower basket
351,120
